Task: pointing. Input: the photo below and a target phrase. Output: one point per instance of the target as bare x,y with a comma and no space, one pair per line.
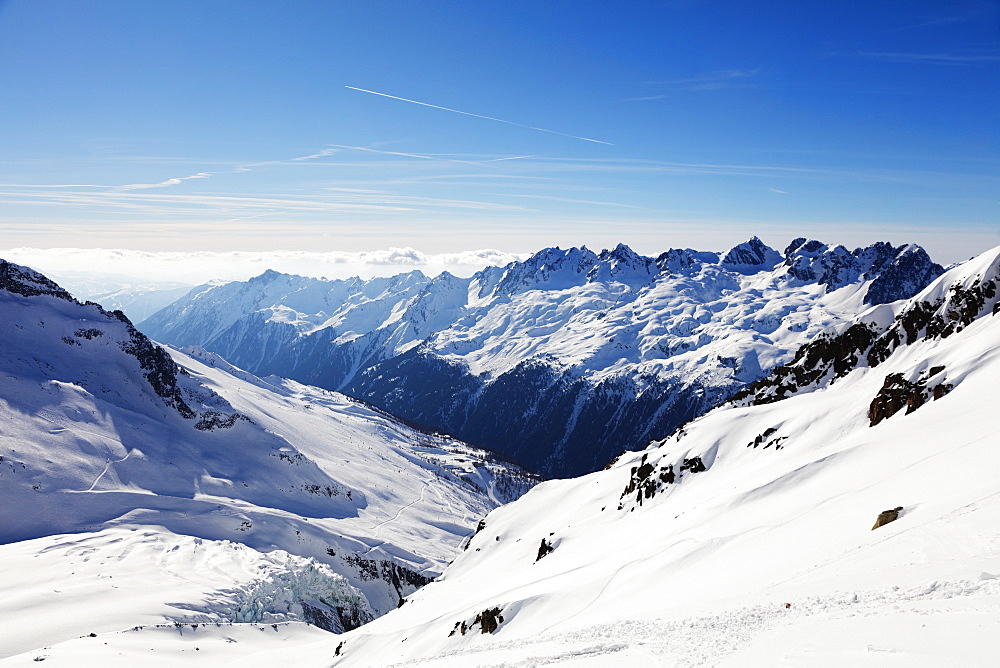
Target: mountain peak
752,254
27,282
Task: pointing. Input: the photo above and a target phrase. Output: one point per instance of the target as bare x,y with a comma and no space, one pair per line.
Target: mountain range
843,510
163,506
560,361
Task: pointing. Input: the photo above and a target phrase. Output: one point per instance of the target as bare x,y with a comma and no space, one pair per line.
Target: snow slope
559,361
102,431
746,537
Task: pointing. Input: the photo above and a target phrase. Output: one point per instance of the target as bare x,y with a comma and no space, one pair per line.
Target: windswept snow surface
754,545
113,446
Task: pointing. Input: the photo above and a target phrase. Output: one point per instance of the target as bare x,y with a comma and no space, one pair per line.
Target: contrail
489,118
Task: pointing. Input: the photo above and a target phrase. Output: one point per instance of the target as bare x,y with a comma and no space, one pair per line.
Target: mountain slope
102,430
560,361
746,537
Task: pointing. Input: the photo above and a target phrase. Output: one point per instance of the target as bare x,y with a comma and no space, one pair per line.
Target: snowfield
762,551
745,538
127,470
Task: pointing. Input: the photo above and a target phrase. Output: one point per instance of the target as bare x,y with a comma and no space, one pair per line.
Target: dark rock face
752,253
902,277
488,621
899,273
545,419
544,549
829,357
887,516
334,618
825,358
898,393
29,283
647,479
402,579
158,368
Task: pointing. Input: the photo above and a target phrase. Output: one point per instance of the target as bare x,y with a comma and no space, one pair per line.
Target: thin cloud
780,192
572,201
161,184
488,118
934,58
719,80
200,266
322,154
51,185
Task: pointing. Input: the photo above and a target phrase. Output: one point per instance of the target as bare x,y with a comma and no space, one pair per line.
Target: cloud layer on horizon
200,266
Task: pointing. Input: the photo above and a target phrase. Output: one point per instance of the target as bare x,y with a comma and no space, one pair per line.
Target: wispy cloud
934,58
488,118
203,265
161,184
51,185
976,11
780,192
513,157
568,200
719,80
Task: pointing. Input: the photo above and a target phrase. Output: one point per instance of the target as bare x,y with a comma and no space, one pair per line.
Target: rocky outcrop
488,621
887,516
898,393
647,479
832,356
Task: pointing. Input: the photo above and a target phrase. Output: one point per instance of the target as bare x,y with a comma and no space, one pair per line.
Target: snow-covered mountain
200,491
559,361
854,522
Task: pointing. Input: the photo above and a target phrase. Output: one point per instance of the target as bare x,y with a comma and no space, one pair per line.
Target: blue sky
238,125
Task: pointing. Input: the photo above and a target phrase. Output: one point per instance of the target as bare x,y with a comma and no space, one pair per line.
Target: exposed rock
897,393
648,479
694,465
543,549
887,516
753,253
488,620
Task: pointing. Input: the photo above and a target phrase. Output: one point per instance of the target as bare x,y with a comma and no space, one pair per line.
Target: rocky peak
753,254
571,265
622,263
28,282
897,273
902,276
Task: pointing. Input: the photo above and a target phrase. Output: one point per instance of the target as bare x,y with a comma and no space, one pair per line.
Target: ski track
107,465
708,639
375,529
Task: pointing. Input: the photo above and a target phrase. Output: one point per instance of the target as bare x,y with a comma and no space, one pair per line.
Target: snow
257,499
602,315
761,554
768,556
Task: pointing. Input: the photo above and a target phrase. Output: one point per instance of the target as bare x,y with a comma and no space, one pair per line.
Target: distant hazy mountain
137,298
559,361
